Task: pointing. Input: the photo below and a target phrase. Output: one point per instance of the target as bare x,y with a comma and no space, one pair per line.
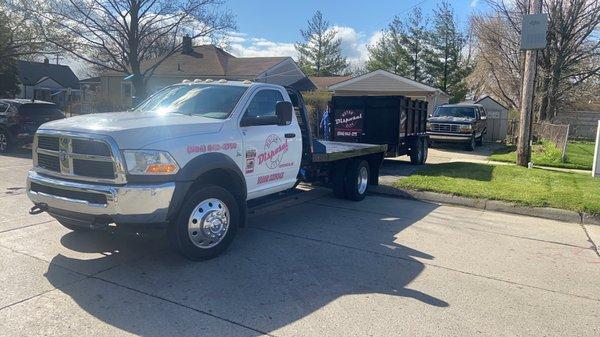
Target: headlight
150,162
428,126
466,127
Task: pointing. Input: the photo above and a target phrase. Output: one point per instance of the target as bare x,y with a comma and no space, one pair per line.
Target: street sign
534,31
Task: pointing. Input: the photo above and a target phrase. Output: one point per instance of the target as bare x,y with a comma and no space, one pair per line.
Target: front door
272,153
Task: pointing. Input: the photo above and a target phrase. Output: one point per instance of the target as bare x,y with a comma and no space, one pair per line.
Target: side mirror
284,111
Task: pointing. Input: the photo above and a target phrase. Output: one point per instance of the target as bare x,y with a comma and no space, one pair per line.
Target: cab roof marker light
198,80
222,80
185,81
247,82
208,80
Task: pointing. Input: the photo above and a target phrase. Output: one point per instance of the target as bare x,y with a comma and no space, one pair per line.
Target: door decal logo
275,148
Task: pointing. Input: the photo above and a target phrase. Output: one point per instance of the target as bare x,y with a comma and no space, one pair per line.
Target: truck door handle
290,135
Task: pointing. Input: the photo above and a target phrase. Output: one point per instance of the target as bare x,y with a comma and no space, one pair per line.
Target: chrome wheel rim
208,224
3,142
363,179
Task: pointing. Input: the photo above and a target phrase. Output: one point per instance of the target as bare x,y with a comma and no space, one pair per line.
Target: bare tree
132,37
567,66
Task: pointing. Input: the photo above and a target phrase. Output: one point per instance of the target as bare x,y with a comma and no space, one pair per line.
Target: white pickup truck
188,159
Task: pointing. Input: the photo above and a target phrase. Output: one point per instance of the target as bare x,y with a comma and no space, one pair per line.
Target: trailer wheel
357,180
418,153
206,225
338,180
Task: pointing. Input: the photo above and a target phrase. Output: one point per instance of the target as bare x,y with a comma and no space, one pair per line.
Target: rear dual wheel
351,180
418,153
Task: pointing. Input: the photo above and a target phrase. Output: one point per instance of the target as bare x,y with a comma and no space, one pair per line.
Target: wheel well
230,181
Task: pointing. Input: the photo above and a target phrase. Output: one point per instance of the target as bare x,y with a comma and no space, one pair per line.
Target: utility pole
526,115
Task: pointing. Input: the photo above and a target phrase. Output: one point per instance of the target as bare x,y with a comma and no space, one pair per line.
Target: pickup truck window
446,111
213,101
263,103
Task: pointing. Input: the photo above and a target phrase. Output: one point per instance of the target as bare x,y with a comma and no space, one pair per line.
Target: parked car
20,118
187,159
464,123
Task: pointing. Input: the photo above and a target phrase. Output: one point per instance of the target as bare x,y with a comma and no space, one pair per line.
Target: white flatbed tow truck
188,159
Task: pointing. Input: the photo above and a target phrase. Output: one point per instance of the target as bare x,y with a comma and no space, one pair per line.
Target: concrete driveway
311,265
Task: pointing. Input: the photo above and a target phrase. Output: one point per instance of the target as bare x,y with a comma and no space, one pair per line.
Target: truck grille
78,158
445,127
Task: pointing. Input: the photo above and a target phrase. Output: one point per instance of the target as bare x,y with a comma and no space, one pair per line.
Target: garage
384,83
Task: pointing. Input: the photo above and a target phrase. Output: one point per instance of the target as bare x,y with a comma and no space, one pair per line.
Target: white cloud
474,3
354,45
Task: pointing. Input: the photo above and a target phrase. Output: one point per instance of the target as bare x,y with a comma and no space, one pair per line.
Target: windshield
454,111
213,101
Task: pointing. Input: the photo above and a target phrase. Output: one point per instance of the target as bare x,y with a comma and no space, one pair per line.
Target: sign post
533,38
596,166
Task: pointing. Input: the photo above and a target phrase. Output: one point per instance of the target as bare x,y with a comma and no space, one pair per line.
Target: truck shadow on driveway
286,268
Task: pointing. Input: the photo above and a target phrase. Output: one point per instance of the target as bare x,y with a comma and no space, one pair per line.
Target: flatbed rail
328,151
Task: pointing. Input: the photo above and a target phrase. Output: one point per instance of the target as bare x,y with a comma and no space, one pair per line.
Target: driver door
272,152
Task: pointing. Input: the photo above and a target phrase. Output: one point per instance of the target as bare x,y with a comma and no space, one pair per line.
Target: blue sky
270,27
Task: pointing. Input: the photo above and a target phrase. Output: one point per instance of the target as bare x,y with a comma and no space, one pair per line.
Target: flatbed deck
328,151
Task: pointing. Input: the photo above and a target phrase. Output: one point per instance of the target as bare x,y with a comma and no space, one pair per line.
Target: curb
490,205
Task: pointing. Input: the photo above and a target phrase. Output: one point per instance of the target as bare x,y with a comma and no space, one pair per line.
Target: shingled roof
211,61
31,73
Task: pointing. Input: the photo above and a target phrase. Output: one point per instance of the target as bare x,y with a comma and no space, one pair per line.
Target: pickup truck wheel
471,144
207,223
479,141
357,180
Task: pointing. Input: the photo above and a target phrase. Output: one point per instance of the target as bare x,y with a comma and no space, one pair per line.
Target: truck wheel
418,153
479,141
357,180
338,180
471,144
206,225
5,145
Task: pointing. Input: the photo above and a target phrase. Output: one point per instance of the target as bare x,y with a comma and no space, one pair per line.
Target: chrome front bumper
457,137
139,204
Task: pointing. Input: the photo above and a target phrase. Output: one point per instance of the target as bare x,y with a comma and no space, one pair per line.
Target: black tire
356,190
470,146
178,230
418,153
5,141
479,141
338,180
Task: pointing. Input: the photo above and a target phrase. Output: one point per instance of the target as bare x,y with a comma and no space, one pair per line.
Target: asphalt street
308,265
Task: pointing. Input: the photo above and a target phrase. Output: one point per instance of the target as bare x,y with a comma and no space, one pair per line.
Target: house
205,62
49,82
323,83
385,83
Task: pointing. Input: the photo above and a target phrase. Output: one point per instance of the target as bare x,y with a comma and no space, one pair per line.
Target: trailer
396,121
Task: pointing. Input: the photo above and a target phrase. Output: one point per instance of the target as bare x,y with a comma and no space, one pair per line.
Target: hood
135,129
449,119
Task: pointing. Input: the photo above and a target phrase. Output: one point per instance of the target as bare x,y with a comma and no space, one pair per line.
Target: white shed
497,119
384,83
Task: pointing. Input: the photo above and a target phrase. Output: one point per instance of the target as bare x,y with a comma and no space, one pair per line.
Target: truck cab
188,159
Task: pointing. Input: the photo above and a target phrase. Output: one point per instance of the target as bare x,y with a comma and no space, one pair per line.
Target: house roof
31,73
303,84
324,82
493,100
382,81
210,61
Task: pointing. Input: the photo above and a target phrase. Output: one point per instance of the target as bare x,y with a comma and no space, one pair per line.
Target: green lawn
535,187
580,155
